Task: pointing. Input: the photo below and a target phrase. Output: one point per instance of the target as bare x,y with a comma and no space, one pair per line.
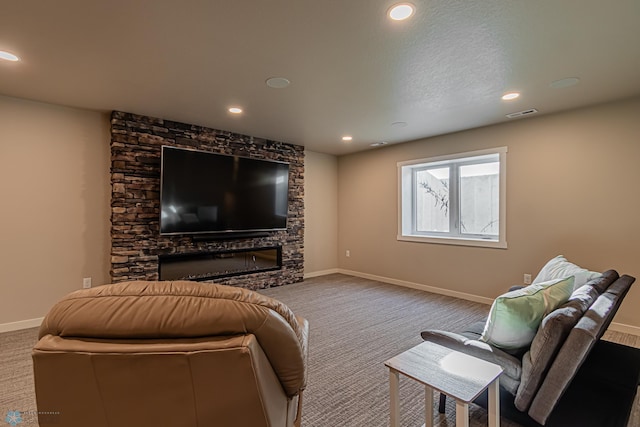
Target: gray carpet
16,376
356,325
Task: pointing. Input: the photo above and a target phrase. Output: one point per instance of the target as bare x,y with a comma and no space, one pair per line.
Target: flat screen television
207,193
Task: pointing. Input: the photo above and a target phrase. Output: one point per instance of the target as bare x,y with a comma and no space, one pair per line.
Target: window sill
495,244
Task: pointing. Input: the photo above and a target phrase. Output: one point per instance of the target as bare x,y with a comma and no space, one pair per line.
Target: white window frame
406,200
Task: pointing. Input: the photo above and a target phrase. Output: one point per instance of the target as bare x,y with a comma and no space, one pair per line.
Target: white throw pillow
559,267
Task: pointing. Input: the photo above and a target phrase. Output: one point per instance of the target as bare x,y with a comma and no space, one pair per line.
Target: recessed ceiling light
235,110
277,82
7,56
509,96
401,11
569,81
347,138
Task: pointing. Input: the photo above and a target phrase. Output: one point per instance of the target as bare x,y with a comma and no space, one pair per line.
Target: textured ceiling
352,70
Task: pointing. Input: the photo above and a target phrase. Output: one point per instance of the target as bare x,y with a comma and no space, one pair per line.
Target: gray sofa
537,377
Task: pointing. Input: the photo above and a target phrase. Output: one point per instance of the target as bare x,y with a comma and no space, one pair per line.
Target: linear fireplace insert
213,265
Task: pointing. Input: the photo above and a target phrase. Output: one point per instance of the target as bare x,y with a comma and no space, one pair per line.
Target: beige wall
54,219
572,189
321,212
54,172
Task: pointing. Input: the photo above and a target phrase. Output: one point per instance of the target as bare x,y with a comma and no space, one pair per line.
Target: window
457,199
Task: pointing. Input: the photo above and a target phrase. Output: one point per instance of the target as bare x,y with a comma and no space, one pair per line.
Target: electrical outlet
347,253
527,279
86,283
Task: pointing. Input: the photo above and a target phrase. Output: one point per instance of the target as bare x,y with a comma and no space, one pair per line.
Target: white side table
447,371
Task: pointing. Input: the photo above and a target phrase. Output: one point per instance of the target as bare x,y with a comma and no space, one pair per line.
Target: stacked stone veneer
136,242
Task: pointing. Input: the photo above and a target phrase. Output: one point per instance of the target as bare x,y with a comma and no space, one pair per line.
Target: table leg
442,402
394,392
428,406
494,403
462,414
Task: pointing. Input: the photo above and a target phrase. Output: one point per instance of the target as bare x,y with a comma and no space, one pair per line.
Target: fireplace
214,265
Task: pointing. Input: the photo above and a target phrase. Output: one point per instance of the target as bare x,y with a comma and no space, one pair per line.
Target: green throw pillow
515,316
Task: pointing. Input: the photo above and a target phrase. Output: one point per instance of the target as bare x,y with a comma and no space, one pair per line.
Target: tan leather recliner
170,354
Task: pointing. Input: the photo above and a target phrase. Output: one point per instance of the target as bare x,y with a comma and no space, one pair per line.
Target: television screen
203,192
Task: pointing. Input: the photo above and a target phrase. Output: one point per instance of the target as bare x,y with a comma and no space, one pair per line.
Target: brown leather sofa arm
171,353
183,309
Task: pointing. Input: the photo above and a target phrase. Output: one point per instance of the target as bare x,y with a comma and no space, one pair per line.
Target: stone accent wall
136,143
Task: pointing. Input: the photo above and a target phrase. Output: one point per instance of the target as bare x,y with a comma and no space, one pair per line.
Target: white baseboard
626,329
419,286
321,273
617,327
23,324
